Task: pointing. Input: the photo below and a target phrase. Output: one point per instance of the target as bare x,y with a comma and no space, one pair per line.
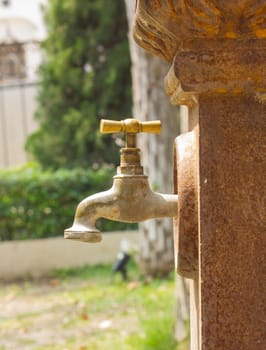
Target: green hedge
38,204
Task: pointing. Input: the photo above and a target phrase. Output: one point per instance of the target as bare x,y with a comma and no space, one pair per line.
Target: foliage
39,204
85,75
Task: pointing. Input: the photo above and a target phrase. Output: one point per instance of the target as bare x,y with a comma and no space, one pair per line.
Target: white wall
26,9
38,257
17,107
21,20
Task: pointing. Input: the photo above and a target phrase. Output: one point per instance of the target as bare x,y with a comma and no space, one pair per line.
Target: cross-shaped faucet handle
129,126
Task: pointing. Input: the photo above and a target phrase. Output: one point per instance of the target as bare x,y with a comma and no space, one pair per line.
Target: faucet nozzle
83,233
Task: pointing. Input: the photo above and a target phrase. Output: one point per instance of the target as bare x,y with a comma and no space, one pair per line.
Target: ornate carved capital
215,45
162,25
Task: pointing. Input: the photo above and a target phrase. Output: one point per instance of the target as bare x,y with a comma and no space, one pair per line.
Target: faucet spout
87,212
129,200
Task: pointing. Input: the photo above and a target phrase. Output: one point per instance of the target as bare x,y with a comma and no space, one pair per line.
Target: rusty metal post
218,51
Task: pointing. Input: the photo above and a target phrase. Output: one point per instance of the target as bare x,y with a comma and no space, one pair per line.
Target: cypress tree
85,75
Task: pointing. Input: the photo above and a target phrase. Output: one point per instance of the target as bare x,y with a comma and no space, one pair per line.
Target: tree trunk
150,103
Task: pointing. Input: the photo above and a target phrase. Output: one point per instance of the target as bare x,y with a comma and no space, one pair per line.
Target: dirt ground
49,315
89,308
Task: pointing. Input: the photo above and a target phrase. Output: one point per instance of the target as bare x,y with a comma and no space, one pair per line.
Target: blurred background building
21,31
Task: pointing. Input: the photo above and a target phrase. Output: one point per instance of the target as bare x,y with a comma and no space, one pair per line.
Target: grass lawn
88,309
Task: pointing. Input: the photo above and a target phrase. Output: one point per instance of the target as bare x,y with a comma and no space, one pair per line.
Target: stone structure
218,54
21,30
12,61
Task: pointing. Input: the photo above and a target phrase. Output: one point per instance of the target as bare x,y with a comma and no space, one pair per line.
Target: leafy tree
85,76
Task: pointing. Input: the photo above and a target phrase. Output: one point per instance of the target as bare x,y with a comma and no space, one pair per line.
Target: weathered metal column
218,50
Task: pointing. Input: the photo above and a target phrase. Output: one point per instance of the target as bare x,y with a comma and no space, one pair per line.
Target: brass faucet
130,199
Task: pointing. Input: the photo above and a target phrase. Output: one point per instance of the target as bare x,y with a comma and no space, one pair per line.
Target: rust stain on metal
186,228
233,222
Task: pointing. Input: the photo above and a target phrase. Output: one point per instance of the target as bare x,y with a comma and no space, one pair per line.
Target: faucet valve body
130,199
130,155
130,162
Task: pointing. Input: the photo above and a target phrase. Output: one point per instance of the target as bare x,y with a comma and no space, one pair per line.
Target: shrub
39,204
